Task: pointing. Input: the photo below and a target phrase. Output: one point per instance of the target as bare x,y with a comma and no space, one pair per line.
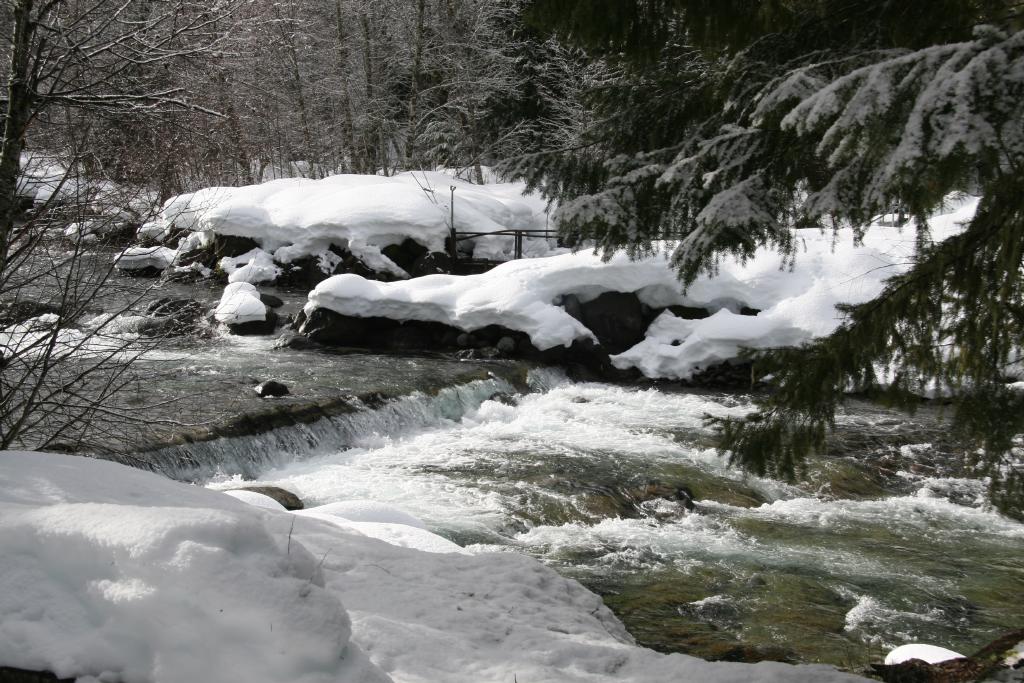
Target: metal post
451,229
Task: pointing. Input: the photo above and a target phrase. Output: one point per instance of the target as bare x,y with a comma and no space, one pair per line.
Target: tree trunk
417,65
19,111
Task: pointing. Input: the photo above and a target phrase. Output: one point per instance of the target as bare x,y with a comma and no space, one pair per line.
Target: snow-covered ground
795,302
110,573
296,217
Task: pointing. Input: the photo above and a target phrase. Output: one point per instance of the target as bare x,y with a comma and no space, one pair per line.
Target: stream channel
885,540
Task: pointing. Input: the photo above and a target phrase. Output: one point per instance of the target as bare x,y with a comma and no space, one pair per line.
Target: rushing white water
561,474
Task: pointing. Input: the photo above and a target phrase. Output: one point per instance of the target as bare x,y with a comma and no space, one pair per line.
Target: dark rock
204,256
293,340
406,254
688,312
178,308
256,327
433,263
617,319
746,310
571,304
286,498
9,674
324,326
506,345
271,301
978,666
232,245
147,272
20,311
303,273
271,388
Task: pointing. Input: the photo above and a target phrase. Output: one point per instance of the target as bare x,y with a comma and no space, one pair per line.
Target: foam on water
537,474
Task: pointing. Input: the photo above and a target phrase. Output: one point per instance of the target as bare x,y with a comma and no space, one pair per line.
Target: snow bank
254,267
240,303
137,258
519,295
796,303
298,217
114,572
793,304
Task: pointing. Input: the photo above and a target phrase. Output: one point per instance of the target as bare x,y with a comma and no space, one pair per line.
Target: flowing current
882,545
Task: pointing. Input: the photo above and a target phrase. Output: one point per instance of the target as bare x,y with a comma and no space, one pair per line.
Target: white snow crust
795,302
297,217
927,653
112,573
240,303
137,258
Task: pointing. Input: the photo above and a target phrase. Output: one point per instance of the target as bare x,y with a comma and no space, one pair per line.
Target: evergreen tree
726,124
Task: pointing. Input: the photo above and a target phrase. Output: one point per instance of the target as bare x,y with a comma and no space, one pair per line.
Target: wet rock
746,310
10,674
433,263
293,340
324,326
232,245
271,388
20,311
302,273
145,272
286,498
256,327
506,346
618,319
992,658
271,301
688,312
405,255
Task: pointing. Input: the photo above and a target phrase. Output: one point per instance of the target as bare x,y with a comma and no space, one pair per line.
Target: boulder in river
289,500
619,320
271,388
271,301
256,327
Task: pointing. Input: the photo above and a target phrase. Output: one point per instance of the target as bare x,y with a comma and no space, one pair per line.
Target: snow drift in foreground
795,304
111,572
300,217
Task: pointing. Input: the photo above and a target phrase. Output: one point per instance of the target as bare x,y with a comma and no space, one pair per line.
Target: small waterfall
249,455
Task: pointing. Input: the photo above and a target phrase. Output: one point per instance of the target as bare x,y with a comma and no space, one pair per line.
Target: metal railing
456,236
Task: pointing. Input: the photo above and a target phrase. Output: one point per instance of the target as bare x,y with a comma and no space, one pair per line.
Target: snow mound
927,653
792,305
297,217
137,258
112,573
369,511
254,267
256,499
240,303
519,295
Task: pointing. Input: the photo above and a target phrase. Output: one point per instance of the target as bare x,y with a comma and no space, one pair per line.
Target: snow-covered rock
794,303
254,267
240,303
115,573
111,572
298,217
141,258
926,653
518,295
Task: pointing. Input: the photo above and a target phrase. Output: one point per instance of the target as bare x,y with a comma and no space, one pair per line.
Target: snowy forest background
226,93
